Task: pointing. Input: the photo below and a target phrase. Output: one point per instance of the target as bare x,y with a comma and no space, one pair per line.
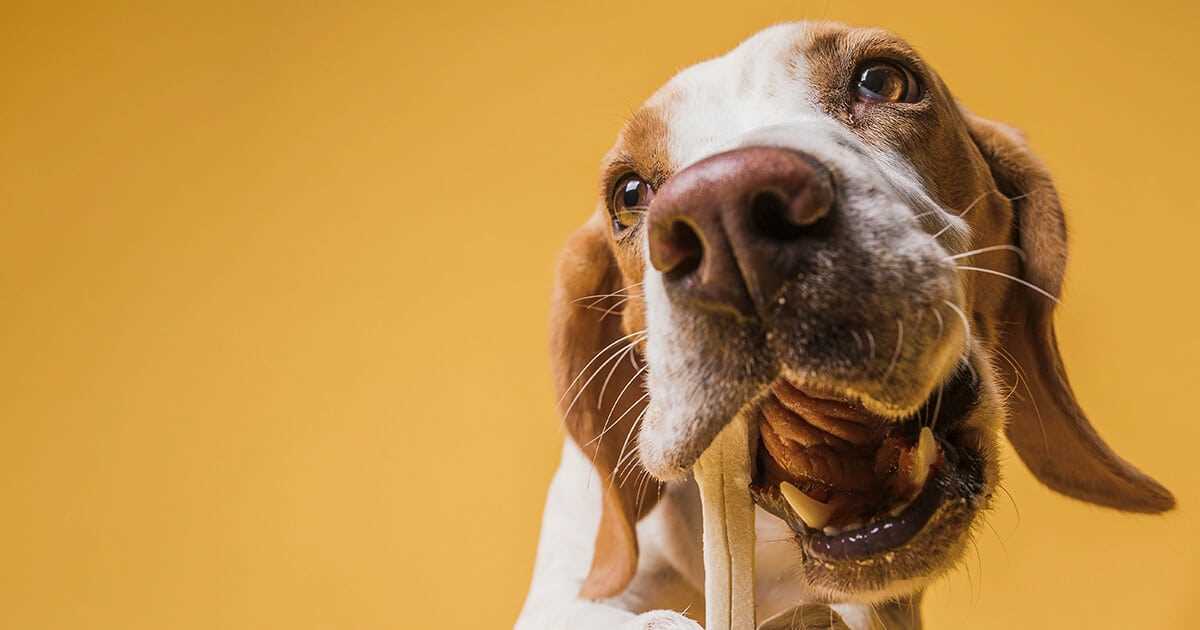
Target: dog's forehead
772,78
761,82
784,74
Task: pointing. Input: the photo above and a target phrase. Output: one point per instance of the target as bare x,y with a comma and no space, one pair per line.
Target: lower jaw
870,567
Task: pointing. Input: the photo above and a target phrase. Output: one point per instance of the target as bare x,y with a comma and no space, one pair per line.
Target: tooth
853,526
927,452
830,530
814,513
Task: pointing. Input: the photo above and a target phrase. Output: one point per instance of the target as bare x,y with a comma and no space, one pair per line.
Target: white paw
661,620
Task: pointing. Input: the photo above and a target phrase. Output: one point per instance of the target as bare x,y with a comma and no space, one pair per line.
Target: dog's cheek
633,315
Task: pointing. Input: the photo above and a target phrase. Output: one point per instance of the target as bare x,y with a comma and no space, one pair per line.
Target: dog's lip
883,533
850,396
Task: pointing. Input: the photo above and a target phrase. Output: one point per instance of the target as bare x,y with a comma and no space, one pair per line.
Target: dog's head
811,232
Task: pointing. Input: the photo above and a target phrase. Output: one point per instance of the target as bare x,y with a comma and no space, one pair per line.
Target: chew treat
723,474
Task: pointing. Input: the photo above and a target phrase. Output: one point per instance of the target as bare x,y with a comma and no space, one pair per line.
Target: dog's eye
631,198
884,82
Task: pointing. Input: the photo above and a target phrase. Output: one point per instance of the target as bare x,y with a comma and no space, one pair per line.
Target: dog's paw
661,620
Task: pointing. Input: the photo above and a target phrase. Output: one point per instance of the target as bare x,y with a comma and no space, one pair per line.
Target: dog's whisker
591,378
871,343
608,426
642,485
1017,376
630,468
978,563
600,297
630,465
616,364
897,351
594,305
941,323
605,311
857,340
1011,360
625,456
960,215
966,324
632,379
987,521
1024,381
595,300
1012,501
937,407
1012,248
1020,281
622,455
1011,390
613,309
599,354
616,293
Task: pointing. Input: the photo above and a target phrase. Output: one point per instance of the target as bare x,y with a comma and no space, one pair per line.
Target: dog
810,233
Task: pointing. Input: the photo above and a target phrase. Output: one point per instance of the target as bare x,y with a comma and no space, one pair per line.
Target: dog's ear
601,394
1047,427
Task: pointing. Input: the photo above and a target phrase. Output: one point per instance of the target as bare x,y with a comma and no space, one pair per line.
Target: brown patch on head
644,143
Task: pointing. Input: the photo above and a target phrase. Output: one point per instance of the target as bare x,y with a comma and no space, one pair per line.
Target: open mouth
853,484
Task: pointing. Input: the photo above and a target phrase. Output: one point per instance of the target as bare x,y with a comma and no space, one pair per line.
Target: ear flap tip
1132,491
1156,499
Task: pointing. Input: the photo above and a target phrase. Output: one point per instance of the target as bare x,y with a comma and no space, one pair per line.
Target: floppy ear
1047,427
598,385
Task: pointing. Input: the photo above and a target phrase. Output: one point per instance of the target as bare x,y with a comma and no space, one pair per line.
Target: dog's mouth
853,484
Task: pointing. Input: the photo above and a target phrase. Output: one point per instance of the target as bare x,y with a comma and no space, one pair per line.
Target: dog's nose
729,231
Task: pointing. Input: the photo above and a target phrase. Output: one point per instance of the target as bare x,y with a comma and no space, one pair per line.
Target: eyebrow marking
643,145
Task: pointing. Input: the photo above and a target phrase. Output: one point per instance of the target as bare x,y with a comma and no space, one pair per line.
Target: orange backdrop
274,281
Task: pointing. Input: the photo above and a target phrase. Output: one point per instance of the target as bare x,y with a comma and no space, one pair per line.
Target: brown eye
631,198
883,82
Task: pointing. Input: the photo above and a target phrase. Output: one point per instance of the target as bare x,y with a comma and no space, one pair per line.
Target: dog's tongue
723,474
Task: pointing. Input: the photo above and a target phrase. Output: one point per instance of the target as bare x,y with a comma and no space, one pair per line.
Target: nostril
675,249
769,211
786,217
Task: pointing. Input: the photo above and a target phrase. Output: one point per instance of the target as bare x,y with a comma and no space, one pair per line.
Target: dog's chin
880,501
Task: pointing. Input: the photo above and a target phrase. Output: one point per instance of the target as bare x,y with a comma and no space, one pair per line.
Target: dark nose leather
728,231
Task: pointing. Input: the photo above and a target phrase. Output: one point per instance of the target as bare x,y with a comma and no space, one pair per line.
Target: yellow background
274,282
